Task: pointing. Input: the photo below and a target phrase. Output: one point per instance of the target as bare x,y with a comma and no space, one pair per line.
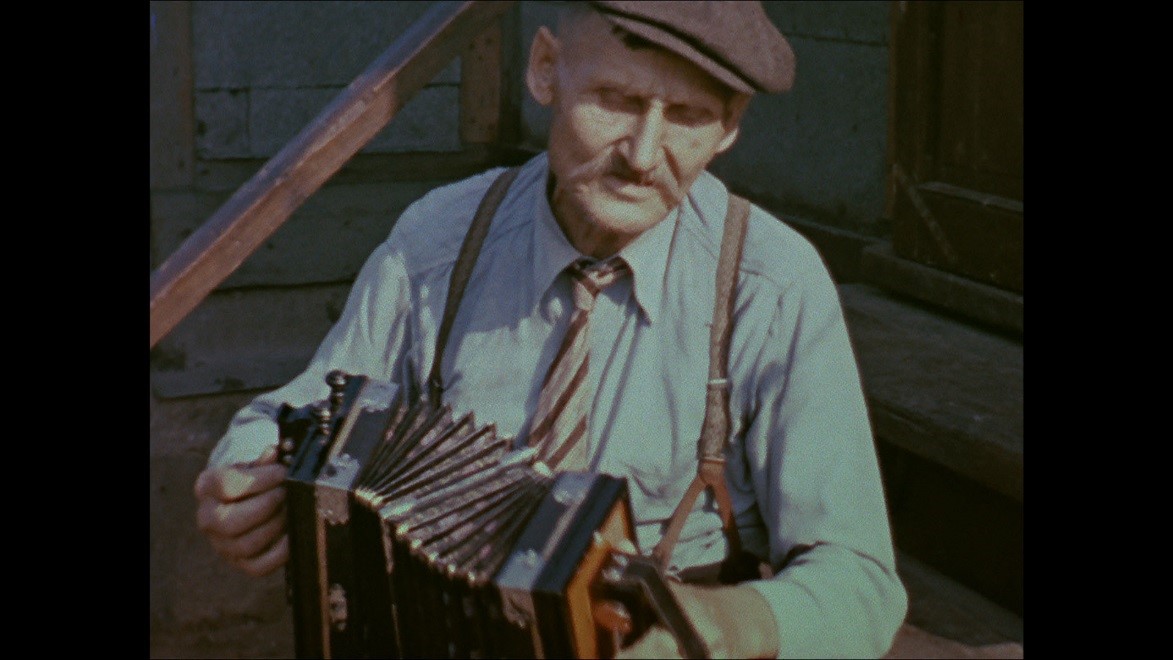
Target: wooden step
997,307
938,387
946,403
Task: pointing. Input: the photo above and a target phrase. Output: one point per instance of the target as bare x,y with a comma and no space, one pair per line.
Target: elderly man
643,96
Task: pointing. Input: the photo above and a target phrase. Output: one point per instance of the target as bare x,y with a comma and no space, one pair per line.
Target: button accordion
414,533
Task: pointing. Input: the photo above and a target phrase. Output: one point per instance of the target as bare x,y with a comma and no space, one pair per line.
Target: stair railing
282,185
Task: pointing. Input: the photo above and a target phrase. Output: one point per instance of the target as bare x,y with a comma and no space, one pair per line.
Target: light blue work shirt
802,465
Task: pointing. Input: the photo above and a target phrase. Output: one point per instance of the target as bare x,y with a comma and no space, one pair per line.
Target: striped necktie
560,423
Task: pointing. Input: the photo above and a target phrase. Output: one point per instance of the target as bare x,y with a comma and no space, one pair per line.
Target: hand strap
715,429
462,271
642,577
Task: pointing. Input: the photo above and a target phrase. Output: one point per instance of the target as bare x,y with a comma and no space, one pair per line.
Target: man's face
631,130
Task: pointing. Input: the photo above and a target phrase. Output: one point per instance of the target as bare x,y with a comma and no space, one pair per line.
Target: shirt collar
647,255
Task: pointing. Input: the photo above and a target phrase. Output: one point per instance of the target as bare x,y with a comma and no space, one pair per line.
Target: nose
646,144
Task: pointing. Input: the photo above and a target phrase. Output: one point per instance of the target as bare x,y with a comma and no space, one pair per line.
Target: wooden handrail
346,125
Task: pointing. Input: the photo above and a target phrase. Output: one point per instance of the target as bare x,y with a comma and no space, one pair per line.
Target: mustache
619,169
660,177
617,166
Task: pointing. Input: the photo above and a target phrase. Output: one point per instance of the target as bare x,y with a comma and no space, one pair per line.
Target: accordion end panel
547,583
592,640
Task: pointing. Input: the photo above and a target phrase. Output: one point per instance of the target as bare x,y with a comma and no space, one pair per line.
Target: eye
617,101
690,115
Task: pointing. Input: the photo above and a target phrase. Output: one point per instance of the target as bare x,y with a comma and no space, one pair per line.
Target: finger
204,482
232,519
241,482
237,482
253,542
655,643
267,562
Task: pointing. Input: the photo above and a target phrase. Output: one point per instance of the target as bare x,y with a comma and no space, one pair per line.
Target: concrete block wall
245,78
263,70
818,153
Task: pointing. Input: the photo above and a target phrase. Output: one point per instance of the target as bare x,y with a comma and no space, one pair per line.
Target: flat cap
733,41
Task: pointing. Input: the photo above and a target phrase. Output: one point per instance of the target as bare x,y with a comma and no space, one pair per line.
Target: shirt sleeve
816,478
371,338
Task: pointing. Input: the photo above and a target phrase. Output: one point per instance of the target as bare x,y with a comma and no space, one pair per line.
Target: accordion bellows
417,534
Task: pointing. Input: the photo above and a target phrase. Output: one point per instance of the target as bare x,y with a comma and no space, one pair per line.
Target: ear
729,139
543,60
734,110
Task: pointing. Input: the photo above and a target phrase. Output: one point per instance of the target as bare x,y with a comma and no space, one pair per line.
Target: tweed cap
734,41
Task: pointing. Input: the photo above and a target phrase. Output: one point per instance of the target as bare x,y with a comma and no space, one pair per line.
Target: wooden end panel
616,527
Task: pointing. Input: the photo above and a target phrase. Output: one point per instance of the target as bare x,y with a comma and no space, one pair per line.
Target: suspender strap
715,430
462,271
